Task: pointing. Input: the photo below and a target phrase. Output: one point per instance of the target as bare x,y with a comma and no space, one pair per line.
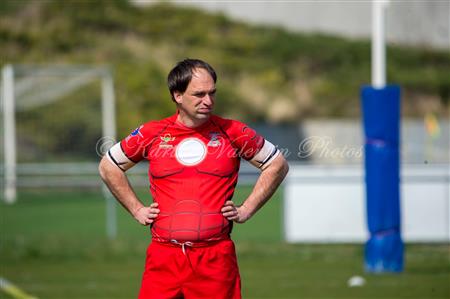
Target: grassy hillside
265,73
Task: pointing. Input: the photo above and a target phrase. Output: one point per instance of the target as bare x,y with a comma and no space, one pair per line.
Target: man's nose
208,99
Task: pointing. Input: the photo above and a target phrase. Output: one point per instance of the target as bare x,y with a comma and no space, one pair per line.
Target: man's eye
200,95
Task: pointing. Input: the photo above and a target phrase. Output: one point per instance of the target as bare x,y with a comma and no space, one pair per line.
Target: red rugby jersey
192,172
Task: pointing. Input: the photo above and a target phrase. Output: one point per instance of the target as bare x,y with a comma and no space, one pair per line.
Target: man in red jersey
194,161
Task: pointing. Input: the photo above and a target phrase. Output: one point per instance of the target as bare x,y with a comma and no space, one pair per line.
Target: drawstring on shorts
183,249
182,244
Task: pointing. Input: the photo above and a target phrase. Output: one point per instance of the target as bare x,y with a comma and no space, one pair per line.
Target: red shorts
195,272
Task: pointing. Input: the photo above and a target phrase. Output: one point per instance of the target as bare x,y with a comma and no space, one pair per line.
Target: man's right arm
120,187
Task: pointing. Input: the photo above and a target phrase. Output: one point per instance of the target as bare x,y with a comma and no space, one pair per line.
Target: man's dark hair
180,76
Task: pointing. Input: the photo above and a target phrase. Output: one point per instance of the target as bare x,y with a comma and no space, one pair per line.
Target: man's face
197,102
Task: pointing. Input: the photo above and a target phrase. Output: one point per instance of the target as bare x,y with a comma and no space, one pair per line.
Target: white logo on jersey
190,151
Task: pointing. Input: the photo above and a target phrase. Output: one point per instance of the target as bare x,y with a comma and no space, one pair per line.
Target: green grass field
53,246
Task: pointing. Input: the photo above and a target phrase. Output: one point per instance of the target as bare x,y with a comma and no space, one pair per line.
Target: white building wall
414,22
327,204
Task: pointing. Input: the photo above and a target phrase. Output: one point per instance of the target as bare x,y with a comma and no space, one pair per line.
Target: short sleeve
134,146
247,141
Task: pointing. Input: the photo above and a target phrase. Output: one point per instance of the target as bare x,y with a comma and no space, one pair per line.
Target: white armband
265,156
118,157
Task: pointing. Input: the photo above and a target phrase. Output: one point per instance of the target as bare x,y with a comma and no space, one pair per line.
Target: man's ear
178,97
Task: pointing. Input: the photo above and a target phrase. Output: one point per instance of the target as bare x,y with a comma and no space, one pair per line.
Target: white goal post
28,87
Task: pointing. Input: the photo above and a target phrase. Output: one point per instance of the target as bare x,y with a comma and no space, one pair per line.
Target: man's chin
203,115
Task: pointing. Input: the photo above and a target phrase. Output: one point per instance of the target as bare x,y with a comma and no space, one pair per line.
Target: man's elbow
102,168
280,167
284,168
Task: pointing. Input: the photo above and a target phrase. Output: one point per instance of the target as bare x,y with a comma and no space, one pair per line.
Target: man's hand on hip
146,215
238,214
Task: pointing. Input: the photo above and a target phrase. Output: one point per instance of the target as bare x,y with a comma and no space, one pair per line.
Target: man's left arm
266,185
